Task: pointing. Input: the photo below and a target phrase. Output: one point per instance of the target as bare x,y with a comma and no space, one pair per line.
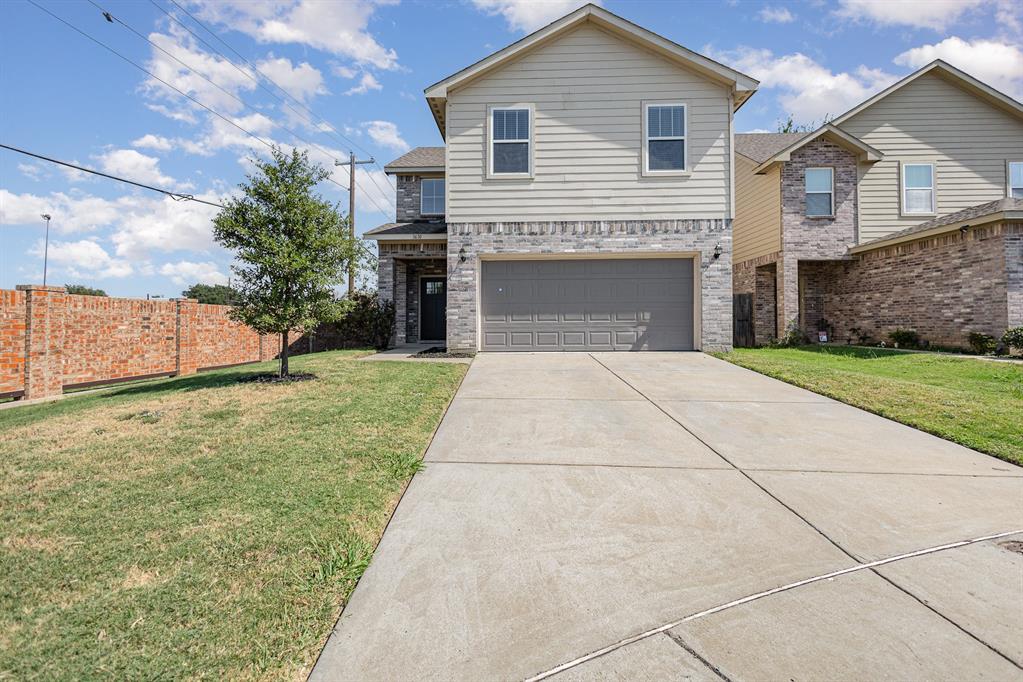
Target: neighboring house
905,212
583,201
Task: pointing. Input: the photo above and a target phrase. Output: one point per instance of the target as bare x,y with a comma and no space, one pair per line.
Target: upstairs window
665,144
432,193
1016,179
509,141
918,188
820,192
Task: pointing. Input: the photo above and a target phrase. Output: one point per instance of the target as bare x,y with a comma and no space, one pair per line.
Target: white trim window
820,192
918,188
510,143
664,143
431,196
1015,177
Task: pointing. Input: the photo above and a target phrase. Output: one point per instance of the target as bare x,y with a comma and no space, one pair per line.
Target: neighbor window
1016,179
918,188
665,137
432,192
509,141
820,192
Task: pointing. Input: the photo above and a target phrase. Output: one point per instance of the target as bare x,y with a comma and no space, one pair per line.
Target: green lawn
200,527
976,403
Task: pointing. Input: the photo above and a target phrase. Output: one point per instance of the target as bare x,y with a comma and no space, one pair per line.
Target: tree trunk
284,354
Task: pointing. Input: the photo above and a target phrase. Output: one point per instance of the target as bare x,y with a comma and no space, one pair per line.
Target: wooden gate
742,321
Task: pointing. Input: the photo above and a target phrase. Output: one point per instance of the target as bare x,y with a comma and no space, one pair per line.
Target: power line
177,196
255,68
154,76
111,18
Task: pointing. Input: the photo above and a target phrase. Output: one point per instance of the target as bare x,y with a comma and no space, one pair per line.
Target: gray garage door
612,304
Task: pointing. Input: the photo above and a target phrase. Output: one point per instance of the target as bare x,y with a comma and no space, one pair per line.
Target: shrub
905,338
1013,338
982,343
368,323
793,336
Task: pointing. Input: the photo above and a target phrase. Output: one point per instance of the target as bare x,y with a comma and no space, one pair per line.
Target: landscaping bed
202,527
974,403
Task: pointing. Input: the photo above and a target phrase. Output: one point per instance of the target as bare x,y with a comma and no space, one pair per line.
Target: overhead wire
177,196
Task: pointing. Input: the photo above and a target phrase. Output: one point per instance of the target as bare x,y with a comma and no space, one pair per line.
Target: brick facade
588,237
399,265
50,340
408,198
942,287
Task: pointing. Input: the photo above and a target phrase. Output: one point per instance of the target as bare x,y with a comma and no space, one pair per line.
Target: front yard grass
199,527
975,403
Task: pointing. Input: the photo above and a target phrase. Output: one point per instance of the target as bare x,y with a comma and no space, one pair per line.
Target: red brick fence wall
51,340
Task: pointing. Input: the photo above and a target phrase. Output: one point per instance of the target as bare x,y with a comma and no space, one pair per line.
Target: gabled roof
992,211
760,147
743,85
950,73
419,160
843,139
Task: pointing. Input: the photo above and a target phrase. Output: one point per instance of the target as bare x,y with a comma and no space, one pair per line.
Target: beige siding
757,227
930,119
587,88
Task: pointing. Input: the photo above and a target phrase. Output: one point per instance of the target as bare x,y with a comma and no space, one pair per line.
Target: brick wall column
1014,274
187,348
788,292
44,340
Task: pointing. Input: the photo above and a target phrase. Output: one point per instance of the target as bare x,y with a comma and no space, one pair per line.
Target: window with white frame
432,196
509,141
665,138
820,191
1016,179
918,188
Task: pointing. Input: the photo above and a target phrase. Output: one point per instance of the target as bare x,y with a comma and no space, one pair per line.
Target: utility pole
352,162
46,248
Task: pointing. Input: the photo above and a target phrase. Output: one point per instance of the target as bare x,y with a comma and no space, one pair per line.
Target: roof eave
418,238
412,170
995,217
864,152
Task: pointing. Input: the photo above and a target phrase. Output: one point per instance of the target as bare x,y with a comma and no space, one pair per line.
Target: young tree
293,247
217,294
83,290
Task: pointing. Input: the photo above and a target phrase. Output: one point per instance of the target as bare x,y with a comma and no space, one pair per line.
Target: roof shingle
762,146
420,157
418,227
967,214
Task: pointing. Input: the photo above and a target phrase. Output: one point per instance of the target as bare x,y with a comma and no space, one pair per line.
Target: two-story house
904,212
583,199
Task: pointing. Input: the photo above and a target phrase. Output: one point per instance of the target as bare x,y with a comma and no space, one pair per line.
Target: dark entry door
433,297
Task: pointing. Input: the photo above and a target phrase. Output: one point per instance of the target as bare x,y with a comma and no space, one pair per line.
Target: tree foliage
789,125
217,294
292,247
83,290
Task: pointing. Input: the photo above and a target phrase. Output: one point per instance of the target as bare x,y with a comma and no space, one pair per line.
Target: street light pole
46,247
352,162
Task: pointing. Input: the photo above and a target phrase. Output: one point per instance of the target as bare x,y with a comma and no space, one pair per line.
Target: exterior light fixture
717,251
461,255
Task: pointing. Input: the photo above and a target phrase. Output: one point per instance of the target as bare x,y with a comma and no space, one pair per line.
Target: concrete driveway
621,516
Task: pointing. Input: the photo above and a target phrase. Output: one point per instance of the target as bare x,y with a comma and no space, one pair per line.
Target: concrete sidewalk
573,501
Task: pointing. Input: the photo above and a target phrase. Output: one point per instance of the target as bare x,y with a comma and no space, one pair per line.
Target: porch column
400,301
788,293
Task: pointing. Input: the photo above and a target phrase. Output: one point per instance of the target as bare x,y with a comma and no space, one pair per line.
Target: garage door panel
582,304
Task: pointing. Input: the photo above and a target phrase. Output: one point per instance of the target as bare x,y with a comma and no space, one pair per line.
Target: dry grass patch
200,525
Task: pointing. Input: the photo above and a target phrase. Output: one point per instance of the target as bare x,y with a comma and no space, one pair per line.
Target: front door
433,300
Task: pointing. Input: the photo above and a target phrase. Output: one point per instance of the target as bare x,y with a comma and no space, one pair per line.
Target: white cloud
776,15
933,14
385,134
165,225
755,130
366,83
83,259
183,115
336,27
806,89
150,141
70,214
999,64
32,171
187,273
529,15
133,165
302,82
342,71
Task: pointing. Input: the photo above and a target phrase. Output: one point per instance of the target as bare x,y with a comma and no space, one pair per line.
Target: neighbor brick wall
592,237
12,341
50,339
943,287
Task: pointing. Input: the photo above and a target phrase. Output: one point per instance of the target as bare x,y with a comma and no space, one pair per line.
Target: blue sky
356,71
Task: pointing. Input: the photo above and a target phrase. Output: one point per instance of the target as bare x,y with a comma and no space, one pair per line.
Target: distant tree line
83,290
216,294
